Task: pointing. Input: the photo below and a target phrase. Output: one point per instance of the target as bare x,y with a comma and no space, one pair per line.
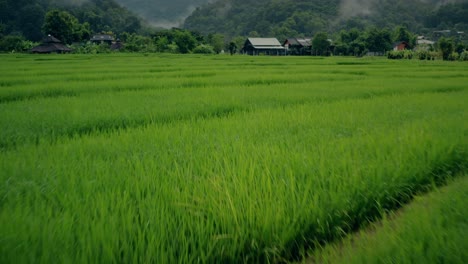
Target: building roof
51,44
304,42
50,39
265,43
102,37
425,42
50,47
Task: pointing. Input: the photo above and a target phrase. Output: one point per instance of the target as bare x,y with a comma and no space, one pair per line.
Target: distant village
255,46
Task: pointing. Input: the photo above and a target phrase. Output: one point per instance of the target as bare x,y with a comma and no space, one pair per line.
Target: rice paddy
182,159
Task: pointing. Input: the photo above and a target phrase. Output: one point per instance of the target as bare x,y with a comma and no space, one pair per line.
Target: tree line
76,32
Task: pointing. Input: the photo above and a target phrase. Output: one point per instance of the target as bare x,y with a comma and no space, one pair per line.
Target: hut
263,46
298,46
50,44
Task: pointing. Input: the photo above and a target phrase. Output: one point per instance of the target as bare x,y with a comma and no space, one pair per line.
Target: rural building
298,46
263,46
51,45
400,45
424,44
102,38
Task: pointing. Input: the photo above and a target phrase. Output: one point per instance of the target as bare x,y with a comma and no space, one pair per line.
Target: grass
432,229
181,159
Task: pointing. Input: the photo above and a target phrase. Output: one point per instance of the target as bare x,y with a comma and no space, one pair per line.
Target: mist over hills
283,18
163,13
276,18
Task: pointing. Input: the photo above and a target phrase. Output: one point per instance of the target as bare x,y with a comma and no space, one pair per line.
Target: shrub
463,56
400,54
453,56
204,49
13,43
423,55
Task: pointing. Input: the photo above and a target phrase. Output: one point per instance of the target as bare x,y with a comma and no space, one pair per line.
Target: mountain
163,13
285,18
26,17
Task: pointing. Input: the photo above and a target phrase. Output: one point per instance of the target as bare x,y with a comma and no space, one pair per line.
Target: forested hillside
162,13
26,17
283,18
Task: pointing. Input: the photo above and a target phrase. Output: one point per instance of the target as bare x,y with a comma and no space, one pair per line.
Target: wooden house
298,46
263,46
50,44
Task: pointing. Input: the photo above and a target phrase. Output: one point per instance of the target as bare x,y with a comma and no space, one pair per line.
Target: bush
434,55
423,55
453,56
204,49
91,48
12,43
463,56
400,54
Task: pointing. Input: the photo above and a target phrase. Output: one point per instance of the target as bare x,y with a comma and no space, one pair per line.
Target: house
400,45
50,44
424,44
263,46
298,46
102,38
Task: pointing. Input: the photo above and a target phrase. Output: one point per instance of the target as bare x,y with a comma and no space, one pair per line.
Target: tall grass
433,229
89,94
289,167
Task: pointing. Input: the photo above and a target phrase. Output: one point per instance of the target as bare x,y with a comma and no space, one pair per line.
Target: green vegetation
433,229
181,159
293,18
26,17
355,27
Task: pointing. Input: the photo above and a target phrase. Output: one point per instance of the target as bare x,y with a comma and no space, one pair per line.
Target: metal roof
102,37
265,43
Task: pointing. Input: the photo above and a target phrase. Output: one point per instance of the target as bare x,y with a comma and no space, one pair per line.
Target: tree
446,47
378,40
13,43
351,43
232,47
403,34
61,25
30,21
216,41
185,41
320,44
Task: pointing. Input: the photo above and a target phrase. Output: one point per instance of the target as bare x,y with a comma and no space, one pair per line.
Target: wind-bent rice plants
181,159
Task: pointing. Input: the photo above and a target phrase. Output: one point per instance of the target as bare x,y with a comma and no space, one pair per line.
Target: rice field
432,229
182,159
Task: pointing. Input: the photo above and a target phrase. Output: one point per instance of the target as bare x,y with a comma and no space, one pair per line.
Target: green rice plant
87,94
251,186
432,229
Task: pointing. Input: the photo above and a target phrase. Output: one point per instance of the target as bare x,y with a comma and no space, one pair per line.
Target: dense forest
285,18
26,17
